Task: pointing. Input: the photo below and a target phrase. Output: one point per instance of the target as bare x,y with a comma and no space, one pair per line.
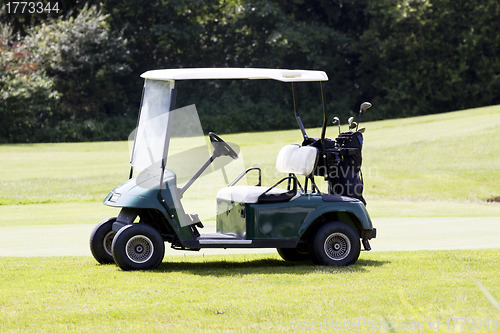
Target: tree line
73,75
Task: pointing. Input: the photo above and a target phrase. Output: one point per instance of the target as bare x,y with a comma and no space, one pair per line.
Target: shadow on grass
262,266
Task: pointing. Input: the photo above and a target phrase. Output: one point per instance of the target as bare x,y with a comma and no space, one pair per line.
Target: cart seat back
297,160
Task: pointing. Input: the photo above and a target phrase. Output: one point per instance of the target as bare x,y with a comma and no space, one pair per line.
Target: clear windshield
177,136
151,132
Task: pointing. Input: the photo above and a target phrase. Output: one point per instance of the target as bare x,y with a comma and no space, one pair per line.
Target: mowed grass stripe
393,234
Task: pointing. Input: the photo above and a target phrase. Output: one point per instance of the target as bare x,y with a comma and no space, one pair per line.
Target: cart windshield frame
152,132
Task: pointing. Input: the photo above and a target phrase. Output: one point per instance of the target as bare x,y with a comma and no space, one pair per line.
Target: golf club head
336,120
364,106
349,120
353,125
362,130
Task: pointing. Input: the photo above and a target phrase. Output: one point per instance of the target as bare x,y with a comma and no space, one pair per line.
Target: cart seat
292,159
247,194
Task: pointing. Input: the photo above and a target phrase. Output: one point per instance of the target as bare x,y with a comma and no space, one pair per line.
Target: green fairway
251,293
63,172
438,165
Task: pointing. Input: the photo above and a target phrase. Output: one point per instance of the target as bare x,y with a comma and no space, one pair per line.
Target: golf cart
293,215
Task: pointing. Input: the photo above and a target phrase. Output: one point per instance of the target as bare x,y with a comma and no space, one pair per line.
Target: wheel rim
337,246
107,241
139,249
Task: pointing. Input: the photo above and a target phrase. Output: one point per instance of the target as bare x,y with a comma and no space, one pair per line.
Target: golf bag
349,180
340,164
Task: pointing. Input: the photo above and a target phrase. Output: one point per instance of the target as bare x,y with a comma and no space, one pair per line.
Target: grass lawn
444,165
250,293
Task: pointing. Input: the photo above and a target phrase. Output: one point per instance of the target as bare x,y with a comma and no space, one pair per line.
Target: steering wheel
221,147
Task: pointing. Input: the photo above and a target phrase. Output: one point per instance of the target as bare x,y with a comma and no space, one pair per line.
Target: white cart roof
285,75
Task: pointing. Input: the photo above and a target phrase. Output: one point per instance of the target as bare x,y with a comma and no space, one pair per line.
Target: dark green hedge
407,57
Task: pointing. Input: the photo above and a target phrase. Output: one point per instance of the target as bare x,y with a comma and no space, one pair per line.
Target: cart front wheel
101,239
337,244
138,246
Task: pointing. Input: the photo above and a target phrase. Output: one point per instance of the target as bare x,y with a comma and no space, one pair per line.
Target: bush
27,97
88,64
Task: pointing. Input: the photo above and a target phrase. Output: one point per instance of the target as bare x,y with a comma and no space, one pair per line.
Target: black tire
138,246
101,239
335,243
293,254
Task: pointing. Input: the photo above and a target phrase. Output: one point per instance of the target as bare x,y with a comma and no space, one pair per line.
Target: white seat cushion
297,160
246,194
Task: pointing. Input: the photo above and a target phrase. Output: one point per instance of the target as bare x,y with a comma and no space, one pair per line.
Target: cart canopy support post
296,108
325,117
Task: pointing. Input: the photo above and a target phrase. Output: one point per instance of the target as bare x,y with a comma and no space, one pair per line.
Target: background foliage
27,94
408,57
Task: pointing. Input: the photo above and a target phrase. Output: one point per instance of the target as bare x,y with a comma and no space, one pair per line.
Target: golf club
349,121
362,130
352,126
336,120
363,106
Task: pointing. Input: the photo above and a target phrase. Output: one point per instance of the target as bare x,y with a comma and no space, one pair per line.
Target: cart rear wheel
335,243
138,246
293,254
101,239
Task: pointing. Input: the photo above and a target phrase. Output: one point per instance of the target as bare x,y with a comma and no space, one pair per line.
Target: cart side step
224,241
216,240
